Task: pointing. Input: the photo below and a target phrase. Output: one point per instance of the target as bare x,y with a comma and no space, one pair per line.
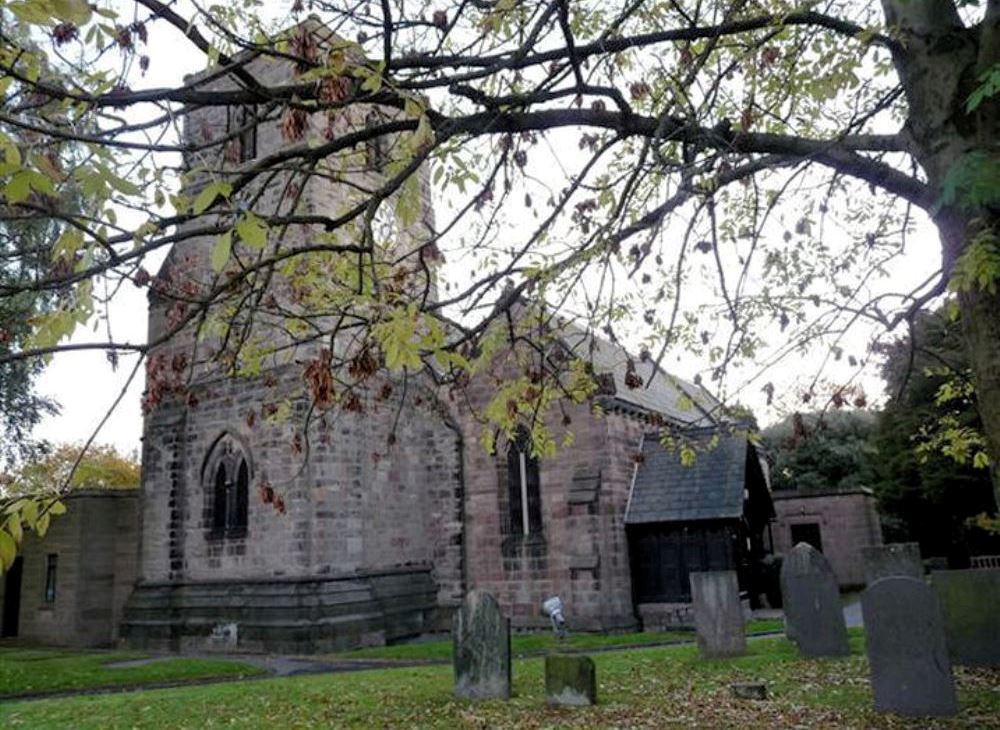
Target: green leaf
973,181
13,526
223,248
208,195
18,188
988,88
8,550
72,11
252,231
42,525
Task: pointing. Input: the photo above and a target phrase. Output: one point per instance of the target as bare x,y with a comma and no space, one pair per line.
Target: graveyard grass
541,642
31,671
654,687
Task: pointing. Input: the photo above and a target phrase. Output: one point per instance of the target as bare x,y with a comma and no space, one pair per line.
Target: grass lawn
648,688
543,641
53,670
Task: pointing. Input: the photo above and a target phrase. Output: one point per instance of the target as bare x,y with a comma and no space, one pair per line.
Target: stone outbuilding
69,588
709,515
837,523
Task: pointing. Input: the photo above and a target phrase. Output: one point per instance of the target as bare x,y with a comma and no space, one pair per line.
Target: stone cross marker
814,619
900,558
904,638
481,649
970,606
570,680
718,614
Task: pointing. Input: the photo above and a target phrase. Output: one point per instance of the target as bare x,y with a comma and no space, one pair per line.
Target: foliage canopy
734,180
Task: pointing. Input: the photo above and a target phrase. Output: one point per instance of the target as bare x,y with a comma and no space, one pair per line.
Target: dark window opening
807,532
230,488
374,147
242,123
524,487
51,561
12,598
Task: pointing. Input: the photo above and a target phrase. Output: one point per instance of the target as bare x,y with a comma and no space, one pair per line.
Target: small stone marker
904,638
899,558
224,636
749,690
570,680
814,619
718,613
481,649
970,607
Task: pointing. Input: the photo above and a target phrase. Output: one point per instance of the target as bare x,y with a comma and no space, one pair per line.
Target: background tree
930,475
31,496
821,452
28,235
740,178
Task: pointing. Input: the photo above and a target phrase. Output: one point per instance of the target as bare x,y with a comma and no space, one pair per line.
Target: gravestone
718,613
570,680
481,649
814,619
900,558
904,638
970,607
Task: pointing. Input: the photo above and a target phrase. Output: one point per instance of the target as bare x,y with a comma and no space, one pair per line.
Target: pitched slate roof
664,490
668,395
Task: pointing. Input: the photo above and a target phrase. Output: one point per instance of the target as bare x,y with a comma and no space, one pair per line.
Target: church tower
285,508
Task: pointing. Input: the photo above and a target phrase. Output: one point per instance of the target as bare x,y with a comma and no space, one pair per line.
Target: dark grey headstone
718,613
970,606
898,558
570,680
814,619
904,637
481,649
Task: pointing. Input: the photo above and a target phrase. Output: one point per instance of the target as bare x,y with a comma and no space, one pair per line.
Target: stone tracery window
242,123
228,479
524,486
375,155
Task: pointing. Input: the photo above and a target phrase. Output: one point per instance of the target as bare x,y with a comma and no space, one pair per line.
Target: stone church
256,536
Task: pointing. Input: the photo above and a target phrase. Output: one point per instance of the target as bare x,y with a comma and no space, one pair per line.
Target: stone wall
582,553
95,543
354,504
847,522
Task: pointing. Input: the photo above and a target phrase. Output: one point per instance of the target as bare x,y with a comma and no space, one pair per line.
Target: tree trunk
980,310
939,62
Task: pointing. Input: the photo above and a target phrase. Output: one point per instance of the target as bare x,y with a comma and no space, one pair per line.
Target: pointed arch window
374,147
229,474
524,497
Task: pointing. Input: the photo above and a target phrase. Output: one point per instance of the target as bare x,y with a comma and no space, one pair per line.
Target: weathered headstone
904,638
570,680
718,613
814,619
481,649
900,558
970,606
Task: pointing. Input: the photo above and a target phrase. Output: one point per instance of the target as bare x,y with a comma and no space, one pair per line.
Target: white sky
86,386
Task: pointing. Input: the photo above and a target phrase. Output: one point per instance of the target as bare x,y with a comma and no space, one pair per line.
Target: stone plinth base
302,616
